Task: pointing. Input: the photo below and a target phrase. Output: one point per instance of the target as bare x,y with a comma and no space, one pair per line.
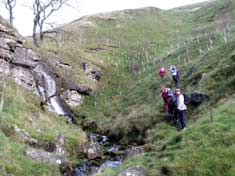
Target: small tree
42,11
9,5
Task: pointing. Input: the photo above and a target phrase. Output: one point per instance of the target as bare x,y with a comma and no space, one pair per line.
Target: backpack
169,93
173,101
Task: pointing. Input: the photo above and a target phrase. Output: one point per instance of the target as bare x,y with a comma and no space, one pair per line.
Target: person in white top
175,75
181,107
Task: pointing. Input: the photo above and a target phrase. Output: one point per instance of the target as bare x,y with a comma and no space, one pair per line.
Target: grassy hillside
21,108
130,101
20,111
130,46
128,106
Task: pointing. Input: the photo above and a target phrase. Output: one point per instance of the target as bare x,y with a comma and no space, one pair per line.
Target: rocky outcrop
23,77
4,68
92,148
198,98
25,136
25,57
27,68
72,98
195,98
57,146
91,72
96,74
72,86
45,157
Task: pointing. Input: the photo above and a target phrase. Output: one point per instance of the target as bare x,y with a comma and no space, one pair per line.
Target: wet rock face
45,157
133,171
93,150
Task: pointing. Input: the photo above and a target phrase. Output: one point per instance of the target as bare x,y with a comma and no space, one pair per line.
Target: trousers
182,118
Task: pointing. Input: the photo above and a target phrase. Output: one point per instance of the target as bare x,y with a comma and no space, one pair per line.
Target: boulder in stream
93,150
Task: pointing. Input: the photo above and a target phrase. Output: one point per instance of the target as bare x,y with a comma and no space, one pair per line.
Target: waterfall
47,89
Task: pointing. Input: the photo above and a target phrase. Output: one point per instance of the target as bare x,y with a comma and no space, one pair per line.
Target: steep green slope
128,106
130,46
23,124
130,101
22,110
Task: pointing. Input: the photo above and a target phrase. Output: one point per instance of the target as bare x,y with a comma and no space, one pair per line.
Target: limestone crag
29,70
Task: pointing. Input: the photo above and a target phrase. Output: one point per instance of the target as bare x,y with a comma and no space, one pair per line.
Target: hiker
84,66
175,75
166,96
172,105
181,108
162,72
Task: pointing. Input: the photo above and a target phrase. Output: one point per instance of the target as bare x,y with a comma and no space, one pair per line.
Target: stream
100,152
111,152
113,155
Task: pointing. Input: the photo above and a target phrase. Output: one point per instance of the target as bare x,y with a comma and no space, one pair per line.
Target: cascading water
90,168
47,89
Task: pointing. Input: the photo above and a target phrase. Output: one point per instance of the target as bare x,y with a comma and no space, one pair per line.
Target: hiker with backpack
175,75
162,72
172,107
166,96
170,104
181,108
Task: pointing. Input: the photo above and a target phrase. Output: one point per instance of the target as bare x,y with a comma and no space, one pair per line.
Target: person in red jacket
166,96
162,72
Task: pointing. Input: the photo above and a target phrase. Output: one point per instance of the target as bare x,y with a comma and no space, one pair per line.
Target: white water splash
48,89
